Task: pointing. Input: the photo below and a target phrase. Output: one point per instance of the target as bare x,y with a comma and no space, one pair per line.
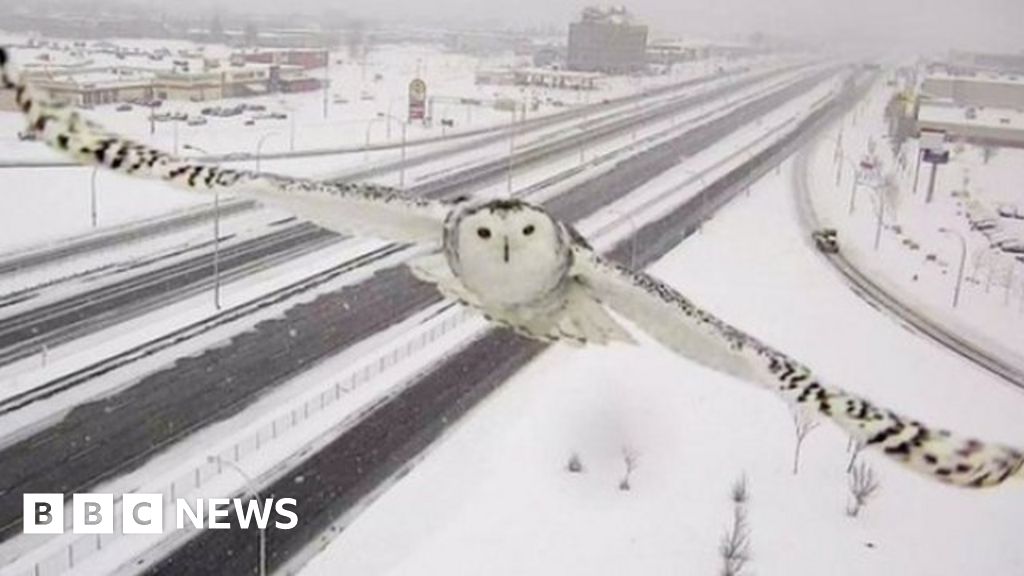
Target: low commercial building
977,90
994,126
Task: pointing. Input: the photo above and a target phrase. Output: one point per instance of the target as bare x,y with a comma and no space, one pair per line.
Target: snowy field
494,497
915,260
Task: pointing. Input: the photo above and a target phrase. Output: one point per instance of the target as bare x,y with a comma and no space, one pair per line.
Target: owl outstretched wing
347,208
686,329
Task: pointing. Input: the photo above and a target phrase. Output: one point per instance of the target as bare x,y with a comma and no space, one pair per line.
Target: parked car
1010,211
825,240
255,107
26,136
124,108
250,122
197,121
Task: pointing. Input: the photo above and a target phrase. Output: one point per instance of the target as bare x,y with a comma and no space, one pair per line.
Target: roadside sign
936,157
934,140
417,99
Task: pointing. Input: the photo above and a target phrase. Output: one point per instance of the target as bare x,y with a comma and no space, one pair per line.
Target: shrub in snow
863,484
575,465
802,426
629,458
735,546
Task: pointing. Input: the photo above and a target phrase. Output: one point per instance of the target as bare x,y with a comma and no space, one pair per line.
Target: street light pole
216,235
251,488
259,148
511,149
963,259
92,189
404,125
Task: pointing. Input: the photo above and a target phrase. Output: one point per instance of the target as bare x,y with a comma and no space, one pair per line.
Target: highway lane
23,334
22,261
75,316
339,476
119,432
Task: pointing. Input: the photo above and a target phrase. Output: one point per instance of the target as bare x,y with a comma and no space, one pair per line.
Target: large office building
607,40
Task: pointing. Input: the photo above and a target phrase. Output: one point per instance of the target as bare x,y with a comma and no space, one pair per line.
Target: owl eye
528,230
484,233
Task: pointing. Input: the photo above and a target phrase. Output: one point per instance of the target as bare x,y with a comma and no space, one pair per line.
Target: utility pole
92,189
327,77
963,259
931,183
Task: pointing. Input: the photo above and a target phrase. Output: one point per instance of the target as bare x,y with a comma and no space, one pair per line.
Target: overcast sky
991,24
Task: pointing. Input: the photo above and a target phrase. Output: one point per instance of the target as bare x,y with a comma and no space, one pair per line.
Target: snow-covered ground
915,260
494,496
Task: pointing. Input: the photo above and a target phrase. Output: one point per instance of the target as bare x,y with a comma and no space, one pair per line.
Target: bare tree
854,447
735,545
802,426
629,458
863,485
987,152
575,465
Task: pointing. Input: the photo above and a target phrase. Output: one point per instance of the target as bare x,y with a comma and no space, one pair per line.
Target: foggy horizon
876,25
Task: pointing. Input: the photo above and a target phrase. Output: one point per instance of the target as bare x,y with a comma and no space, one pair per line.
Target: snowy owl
522,268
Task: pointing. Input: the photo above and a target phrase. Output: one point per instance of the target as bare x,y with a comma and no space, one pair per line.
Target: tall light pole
404,125
259,147
880,213
963,258
216,235
92,195
511,150
327,79
251,488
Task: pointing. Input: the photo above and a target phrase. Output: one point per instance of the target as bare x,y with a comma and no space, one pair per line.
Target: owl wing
347,208
680,325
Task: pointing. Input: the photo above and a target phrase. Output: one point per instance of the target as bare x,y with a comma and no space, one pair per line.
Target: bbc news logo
144,513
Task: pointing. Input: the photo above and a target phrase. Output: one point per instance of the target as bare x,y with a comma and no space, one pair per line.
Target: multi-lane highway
25,333
109,436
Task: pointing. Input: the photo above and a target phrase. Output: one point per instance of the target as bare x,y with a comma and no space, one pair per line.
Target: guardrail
188,480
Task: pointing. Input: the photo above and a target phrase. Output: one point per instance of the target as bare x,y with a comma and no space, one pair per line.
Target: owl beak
506,249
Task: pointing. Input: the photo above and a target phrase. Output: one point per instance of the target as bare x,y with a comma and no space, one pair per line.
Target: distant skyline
879,24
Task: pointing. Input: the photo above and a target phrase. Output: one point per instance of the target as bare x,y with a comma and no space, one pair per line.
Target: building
108,85
607,40
980,90
306,59
980,61
93,86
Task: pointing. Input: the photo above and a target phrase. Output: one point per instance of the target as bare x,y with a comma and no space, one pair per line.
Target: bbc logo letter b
43,514
92,514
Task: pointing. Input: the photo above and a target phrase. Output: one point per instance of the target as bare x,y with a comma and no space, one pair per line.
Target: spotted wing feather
343,207
680,325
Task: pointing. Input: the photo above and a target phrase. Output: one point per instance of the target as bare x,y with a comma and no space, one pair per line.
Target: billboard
417,99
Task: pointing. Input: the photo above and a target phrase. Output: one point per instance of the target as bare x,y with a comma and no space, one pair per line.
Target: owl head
507,252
